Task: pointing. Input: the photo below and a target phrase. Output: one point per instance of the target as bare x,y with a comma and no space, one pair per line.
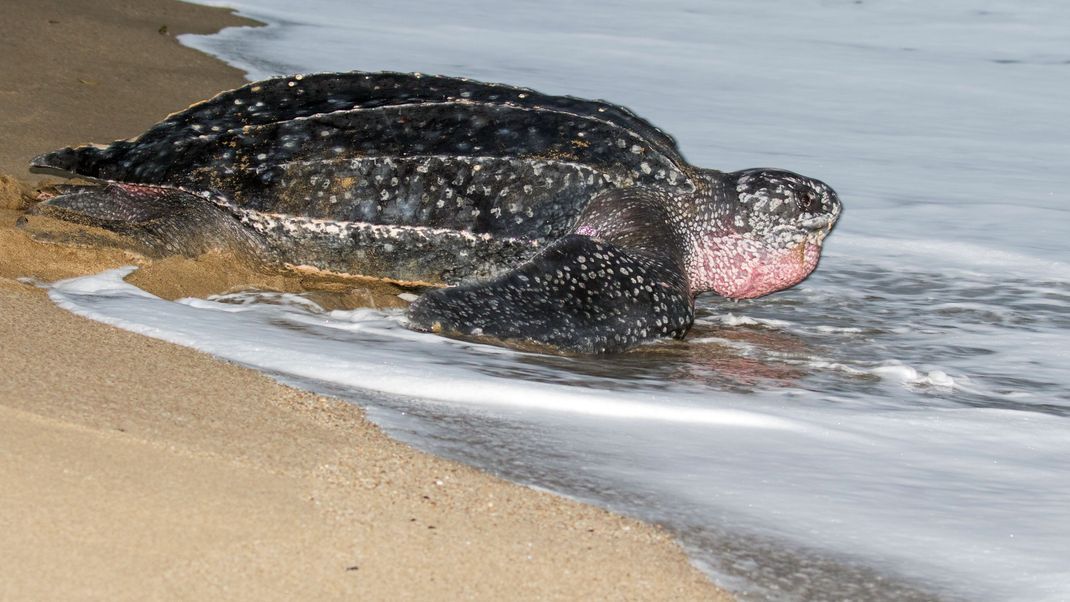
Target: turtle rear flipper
159,220
578,295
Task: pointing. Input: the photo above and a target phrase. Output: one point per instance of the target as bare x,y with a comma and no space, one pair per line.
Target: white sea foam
953,254
731,319
837,330
910,375
242,341
834,474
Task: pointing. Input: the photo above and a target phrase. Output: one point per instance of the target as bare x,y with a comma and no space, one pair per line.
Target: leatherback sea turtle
563,222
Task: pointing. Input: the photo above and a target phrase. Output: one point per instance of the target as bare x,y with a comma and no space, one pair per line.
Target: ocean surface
897,427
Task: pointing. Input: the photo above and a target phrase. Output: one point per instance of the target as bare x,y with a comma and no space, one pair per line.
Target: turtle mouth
818,222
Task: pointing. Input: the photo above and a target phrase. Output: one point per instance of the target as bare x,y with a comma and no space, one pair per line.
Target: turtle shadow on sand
553,222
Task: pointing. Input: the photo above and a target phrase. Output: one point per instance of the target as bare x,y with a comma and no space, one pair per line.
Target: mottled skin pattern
609,290
569,223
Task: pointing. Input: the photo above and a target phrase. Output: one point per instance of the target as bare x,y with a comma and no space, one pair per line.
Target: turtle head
769,234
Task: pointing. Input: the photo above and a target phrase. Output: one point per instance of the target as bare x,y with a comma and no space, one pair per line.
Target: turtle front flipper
157,221
579,295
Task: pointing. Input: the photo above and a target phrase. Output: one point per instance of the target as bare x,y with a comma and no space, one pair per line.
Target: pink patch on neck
739,267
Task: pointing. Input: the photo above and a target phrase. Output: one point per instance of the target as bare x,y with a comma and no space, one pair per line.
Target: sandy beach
137,469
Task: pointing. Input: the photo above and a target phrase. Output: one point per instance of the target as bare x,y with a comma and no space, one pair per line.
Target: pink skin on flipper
739,267
139,190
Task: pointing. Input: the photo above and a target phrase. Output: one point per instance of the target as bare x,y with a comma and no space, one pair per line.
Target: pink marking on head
740,267
587,231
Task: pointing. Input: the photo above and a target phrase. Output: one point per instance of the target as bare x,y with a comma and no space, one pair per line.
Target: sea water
896,427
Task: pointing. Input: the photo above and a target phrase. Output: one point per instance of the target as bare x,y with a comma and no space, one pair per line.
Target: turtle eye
808,201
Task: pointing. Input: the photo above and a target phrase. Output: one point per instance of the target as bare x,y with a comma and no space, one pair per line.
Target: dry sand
136,469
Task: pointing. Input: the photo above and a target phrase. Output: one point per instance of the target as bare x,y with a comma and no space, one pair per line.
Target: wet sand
136,469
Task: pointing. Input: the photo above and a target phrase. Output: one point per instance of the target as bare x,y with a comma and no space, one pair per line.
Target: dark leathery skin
162,220
286,98
604,292
569,223
578,295
242,164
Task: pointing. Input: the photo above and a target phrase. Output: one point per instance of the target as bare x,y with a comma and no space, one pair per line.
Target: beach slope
137,469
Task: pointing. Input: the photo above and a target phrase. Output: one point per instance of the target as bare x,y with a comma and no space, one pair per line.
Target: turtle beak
815,237
820,222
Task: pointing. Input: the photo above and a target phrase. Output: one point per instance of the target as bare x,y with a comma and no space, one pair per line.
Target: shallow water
896,427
